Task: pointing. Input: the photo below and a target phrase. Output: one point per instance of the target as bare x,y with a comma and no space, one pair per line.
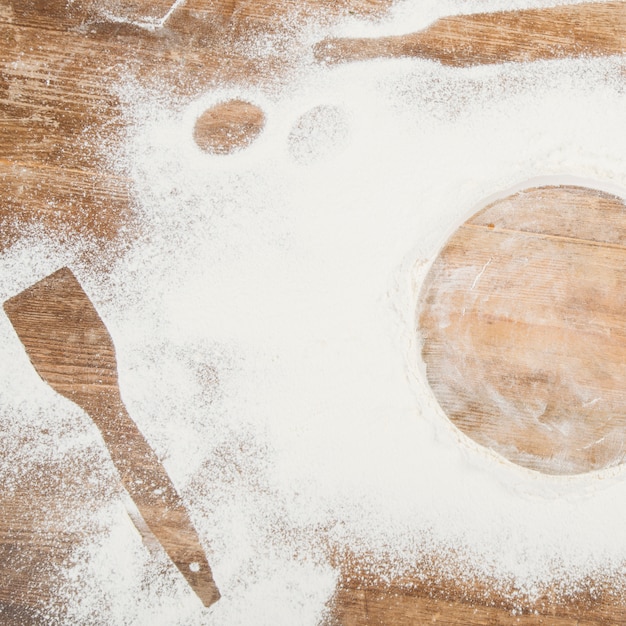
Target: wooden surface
59,63
228,126
523,326
566,31
71,349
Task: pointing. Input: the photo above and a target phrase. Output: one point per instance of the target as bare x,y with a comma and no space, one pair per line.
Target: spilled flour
264,327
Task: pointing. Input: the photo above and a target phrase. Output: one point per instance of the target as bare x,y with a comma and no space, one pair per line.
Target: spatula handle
586,29
154,495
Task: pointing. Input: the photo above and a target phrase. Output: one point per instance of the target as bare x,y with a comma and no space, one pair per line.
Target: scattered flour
264,326
149,16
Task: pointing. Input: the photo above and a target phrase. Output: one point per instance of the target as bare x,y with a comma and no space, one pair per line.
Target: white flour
264,326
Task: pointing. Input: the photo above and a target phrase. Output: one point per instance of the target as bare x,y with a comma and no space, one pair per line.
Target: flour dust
264,327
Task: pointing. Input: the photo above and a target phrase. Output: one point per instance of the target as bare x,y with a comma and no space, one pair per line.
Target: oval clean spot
228,127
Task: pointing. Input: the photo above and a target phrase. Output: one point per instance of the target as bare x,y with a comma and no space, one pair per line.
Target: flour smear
264,326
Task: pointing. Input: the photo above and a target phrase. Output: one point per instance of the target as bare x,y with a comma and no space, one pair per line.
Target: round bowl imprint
522,320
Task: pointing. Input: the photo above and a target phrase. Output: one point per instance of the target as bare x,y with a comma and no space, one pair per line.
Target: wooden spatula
588,29
71,349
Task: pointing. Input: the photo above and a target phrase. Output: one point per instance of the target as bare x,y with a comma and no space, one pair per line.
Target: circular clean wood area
522,320
228,126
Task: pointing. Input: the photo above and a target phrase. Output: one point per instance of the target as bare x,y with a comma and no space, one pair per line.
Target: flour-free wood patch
523,326
483,38
228,126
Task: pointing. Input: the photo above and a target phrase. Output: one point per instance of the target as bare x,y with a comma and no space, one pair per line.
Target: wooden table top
58,63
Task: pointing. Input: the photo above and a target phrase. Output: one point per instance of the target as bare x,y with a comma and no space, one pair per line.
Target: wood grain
520,36
524,332
59,66
59,113
72,351
369,593
228,126
384,607
37,542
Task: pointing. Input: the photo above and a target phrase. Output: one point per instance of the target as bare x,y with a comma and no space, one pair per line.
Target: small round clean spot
228,126
194,567
319,133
